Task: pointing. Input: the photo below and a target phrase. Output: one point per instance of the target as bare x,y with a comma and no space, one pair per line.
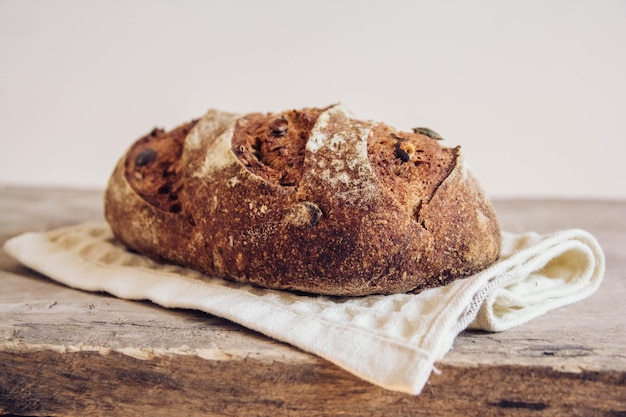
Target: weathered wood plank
67,352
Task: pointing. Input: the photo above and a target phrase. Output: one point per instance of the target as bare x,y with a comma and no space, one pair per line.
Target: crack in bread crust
272,145
410,166
153,167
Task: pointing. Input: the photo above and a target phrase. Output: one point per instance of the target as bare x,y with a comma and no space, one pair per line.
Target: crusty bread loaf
312,200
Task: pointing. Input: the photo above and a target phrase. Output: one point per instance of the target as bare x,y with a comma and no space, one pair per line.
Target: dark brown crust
153,167
355,208
272,145
410,166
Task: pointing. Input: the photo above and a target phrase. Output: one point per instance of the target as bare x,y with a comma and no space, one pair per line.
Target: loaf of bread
310,200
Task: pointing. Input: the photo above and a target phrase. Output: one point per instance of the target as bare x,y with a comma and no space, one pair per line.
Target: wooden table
72,353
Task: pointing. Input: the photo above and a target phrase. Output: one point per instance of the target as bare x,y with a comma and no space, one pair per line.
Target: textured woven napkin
392,341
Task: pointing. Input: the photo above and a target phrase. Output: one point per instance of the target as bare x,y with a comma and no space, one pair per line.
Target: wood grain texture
69,353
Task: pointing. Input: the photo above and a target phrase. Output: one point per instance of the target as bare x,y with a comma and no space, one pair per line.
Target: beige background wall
534,91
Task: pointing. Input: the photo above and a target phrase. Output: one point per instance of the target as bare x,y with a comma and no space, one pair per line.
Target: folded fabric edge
540,250
573,242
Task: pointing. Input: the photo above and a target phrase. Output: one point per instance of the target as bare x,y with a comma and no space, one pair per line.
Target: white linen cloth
392,341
